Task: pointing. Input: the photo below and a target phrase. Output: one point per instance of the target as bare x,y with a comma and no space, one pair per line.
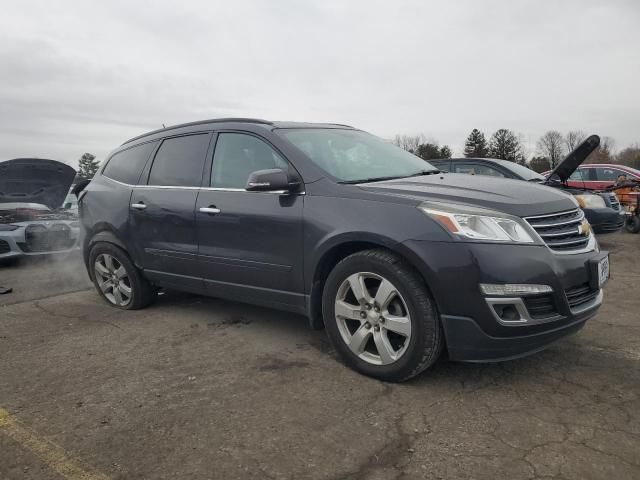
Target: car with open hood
33,220
602,209
396,259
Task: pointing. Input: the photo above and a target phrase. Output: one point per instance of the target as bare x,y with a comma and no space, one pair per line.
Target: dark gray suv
395,258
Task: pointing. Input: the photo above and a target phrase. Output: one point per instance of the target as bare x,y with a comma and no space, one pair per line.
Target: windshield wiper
425,172
381,179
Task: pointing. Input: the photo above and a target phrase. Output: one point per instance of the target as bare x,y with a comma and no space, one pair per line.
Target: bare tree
630,156
574,138
409,143
551,146
604,153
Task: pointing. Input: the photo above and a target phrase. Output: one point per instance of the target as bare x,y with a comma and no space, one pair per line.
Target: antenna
163,126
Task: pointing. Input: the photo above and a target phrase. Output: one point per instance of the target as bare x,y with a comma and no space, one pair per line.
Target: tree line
505,144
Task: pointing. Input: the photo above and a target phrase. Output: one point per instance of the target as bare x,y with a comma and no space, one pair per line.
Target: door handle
211,210
138,206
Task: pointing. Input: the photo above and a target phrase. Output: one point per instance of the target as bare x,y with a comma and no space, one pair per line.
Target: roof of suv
253,121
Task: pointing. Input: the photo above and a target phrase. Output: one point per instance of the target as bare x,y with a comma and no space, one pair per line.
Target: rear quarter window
126,166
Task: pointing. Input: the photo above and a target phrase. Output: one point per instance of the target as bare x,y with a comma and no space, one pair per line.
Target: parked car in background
598,176
602,209
33,220
395,258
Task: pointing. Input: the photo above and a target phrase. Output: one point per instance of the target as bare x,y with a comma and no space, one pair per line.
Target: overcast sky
83,76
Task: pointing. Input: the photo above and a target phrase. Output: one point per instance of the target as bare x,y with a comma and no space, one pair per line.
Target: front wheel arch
337,252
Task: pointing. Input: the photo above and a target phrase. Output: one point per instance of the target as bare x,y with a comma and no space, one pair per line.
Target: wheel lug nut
376,308
367,325
363,315
368,306
381,319
377,328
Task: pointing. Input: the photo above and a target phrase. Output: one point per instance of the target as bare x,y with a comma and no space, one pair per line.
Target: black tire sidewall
633,224
424,320
138,284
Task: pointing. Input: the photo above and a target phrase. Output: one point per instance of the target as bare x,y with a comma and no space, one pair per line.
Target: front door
162,212
250,243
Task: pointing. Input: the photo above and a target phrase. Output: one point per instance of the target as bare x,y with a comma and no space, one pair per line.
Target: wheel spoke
101,269
401,325
120,272
124,290
356,282
117,295
346,310
105,286
386,292
359,340
385,350
108,262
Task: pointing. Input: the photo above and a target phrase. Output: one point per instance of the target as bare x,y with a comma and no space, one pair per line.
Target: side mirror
268,180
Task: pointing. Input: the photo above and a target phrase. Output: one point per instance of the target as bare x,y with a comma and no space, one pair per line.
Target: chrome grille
561,231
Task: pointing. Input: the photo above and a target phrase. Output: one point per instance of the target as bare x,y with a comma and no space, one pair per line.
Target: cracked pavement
200,388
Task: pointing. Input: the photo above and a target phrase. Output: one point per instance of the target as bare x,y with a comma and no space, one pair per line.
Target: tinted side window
477,169
238,155
179,161
606,174
442,166
127,165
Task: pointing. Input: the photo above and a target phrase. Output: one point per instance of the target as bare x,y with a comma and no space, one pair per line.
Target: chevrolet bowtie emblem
584,229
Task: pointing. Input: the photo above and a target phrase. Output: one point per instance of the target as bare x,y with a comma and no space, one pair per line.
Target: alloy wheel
373,318
113,280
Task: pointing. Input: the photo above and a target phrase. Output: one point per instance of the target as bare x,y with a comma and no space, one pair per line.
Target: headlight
479,223
8,228
590,201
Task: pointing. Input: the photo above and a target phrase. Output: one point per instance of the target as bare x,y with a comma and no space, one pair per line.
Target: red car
598,176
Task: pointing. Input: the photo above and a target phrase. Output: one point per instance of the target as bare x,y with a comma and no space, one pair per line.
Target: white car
32,218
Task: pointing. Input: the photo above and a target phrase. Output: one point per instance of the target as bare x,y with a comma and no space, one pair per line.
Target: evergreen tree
505,145
540,164
428,151
476,145
445,151
87,166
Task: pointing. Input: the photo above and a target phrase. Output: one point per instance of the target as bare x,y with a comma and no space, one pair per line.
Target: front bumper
454,271
19,243
605,220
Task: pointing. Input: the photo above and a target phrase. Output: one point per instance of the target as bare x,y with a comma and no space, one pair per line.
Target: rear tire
633,224
117,279
380,316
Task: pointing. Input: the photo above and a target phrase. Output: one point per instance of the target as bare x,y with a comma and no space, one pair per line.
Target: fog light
514,289
507,312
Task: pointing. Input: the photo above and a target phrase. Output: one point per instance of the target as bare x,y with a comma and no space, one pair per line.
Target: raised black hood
572,161
514,197
34,180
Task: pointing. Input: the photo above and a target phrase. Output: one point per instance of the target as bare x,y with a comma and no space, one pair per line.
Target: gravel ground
200,388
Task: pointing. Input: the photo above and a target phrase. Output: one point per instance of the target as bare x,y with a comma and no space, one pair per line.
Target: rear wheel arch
101,234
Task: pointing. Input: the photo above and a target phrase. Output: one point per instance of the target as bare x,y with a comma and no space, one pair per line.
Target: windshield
521,171
353,155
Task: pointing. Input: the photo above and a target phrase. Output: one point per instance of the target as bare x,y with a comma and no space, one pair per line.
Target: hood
33,180
572,161
514,197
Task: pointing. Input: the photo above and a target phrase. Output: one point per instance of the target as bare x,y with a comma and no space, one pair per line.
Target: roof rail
202,122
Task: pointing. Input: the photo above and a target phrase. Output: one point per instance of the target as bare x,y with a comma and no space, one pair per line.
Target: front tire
380,316
633,224
117,279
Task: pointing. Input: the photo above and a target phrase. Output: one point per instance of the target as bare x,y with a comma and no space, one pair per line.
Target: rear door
162,211
250,243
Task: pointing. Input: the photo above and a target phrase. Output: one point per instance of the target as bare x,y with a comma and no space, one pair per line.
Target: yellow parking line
51,454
